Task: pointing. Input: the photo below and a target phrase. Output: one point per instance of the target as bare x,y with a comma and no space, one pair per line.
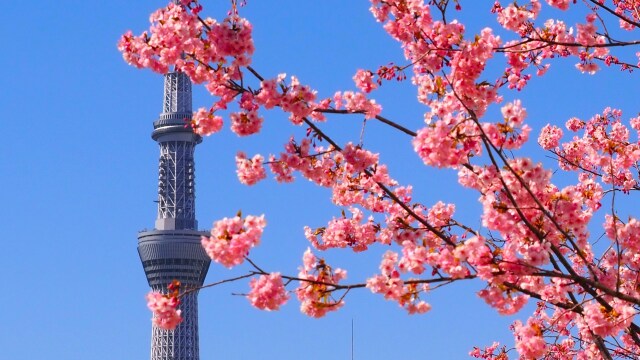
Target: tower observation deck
173,249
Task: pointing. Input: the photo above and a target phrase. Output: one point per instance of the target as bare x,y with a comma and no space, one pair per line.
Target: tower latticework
172,251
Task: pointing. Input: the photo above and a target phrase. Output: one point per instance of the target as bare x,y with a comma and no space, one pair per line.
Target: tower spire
176,178
172,251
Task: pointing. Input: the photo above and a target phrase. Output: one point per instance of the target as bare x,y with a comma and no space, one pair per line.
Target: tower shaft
172,251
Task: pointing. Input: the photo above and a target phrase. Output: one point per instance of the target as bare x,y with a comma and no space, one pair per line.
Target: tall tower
173,250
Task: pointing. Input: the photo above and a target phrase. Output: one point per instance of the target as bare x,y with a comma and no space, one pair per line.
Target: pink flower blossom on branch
357,102
529,341
359,158
280,169
341,233
250,171
246,123
364,81
268,292
315,289
516,18
165,310
232,238
488,352
204,122
389,284
550,136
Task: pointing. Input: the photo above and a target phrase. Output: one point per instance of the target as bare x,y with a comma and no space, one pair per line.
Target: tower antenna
351,338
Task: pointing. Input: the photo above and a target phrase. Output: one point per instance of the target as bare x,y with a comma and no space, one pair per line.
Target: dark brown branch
612,12
378,117
188,291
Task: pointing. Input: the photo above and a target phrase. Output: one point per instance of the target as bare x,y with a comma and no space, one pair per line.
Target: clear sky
78,181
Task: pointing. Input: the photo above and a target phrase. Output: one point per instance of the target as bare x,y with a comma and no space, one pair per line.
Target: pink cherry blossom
529,341
514,17
250,171
608,322
357,102
550,137
204,122
447,143
268,292
298,101
280,169
359,158
560,4
315,291
389,284
341,233
488,352
166,314
364,81
269,95
246,123
232,238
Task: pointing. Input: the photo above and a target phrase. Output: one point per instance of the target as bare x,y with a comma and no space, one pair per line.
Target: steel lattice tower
173,250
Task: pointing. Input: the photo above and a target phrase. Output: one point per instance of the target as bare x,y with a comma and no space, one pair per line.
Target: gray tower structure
173,250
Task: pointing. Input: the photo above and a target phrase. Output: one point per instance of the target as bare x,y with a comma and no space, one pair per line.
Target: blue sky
78,180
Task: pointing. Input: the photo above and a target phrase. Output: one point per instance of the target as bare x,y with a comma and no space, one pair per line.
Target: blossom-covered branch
534,241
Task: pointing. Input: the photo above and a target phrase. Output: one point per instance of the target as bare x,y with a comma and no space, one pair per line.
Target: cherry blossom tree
536,239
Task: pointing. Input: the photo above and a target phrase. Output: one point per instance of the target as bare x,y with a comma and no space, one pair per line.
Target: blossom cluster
204,122
389,284
341,233
604,148
166,314
179,37
317,283
364,81
268,292
250,171
232,238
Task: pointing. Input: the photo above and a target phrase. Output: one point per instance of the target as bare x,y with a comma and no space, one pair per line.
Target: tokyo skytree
172,250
